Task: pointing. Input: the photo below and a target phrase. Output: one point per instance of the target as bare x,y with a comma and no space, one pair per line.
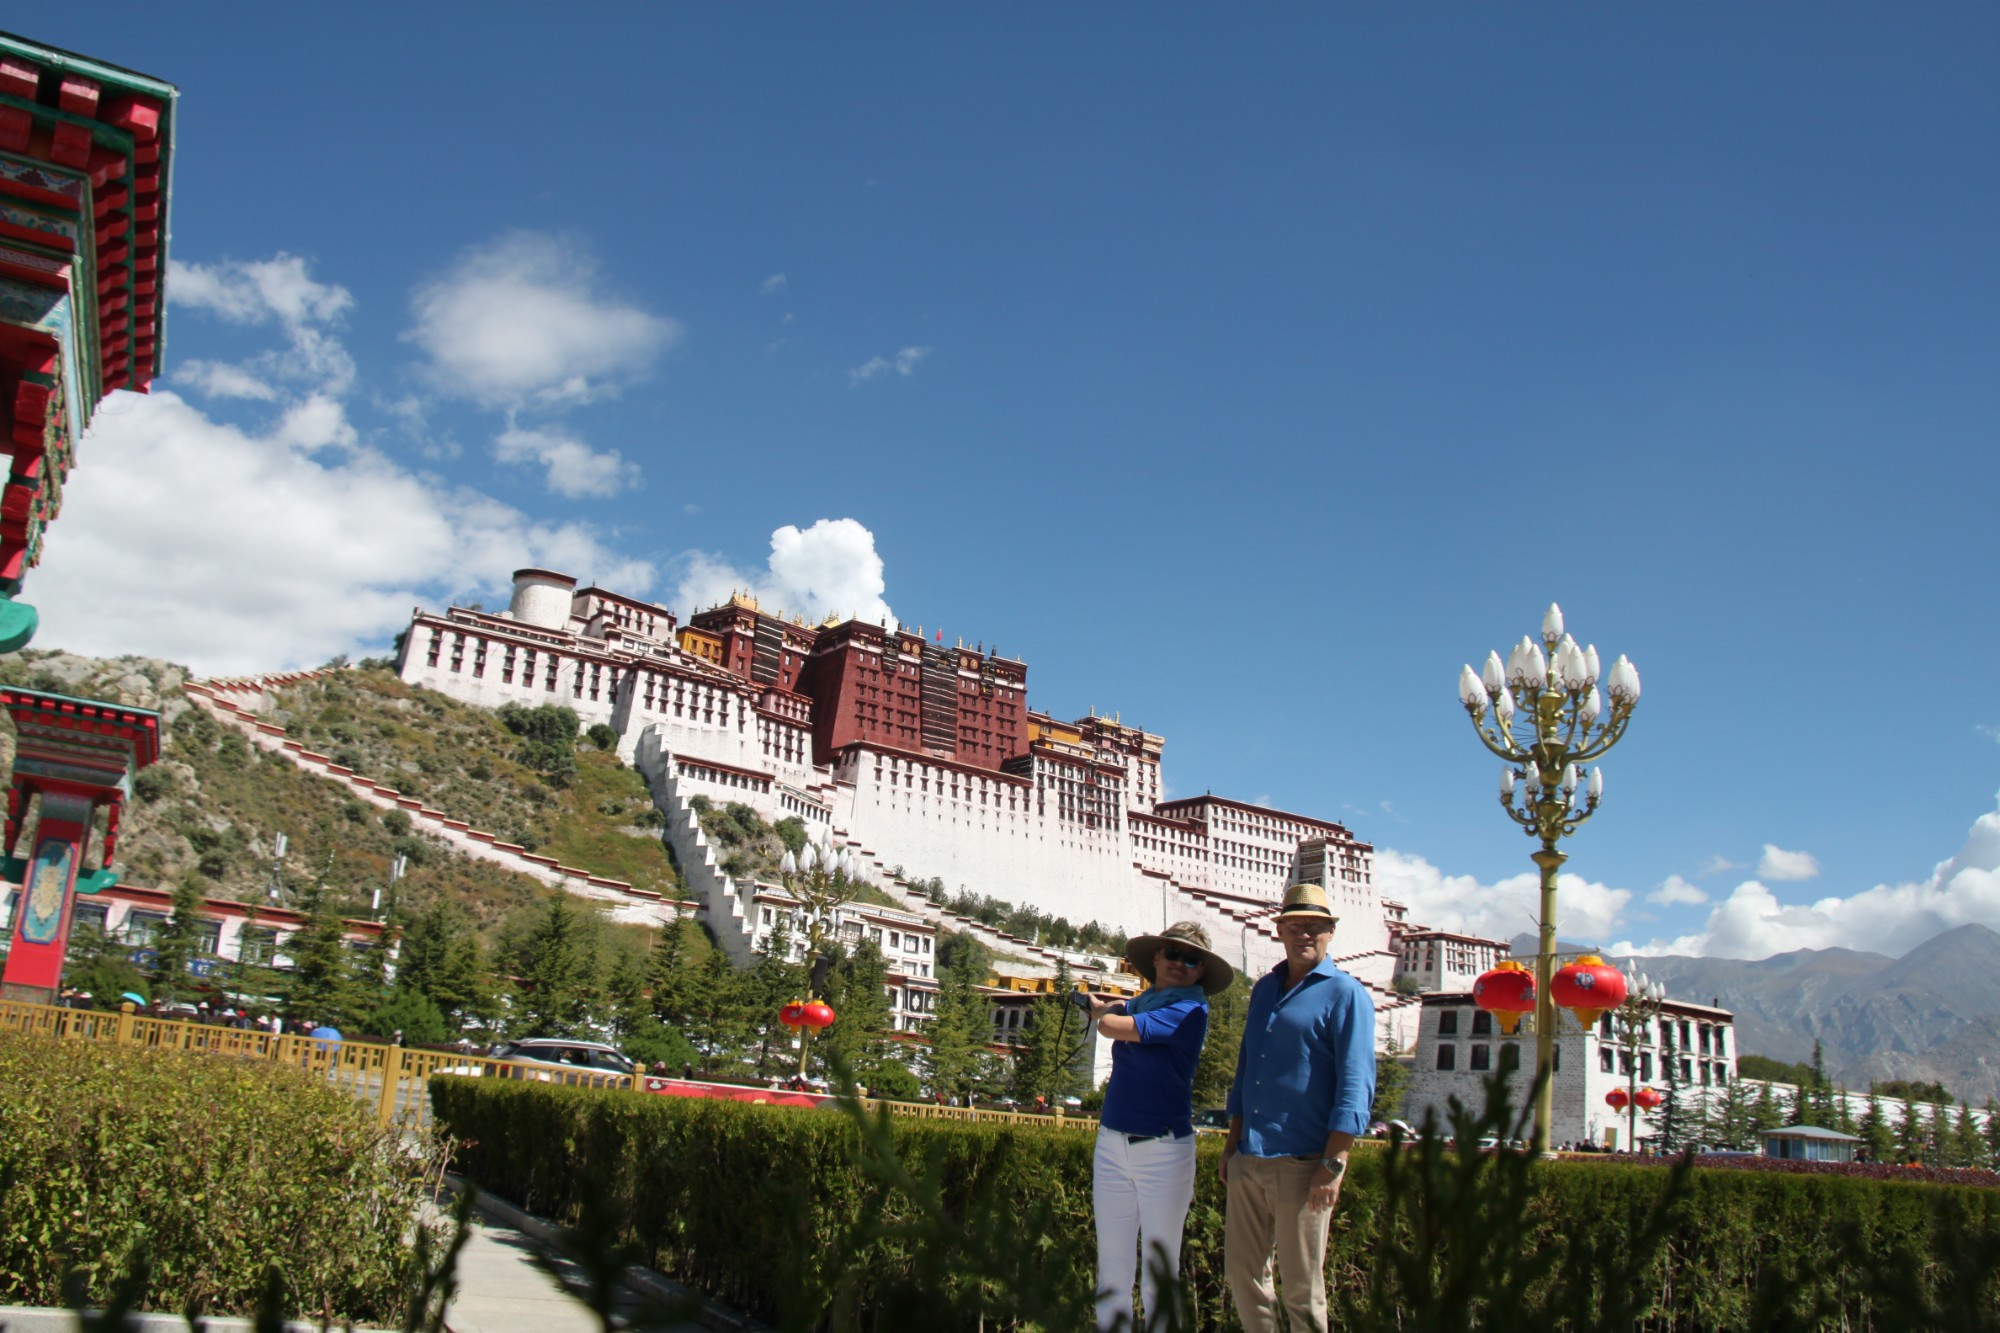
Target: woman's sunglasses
1173,955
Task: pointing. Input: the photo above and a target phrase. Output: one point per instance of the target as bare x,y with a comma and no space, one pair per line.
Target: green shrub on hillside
220,1168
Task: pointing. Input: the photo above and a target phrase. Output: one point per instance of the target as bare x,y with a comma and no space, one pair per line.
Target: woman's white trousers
1141,1193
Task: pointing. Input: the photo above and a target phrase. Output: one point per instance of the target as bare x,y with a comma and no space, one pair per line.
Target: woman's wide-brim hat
1307,902
1215,974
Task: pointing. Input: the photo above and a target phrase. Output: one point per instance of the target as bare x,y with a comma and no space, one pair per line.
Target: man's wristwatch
1337,1165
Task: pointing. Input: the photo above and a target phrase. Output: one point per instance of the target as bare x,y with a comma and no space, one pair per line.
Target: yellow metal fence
392,1079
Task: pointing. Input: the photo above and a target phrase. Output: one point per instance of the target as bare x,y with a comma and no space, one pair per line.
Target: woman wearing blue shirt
1143,1178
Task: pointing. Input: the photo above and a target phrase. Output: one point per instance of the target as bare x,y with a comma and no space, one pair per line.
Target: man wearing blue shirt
1305,1081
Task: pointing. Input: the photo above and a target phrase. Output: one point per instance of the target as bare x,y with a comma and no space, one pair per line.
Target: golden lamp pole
1542,713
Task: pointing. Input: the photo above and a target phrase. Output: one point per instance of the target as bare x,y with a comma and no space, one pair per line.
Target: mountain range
1933,1014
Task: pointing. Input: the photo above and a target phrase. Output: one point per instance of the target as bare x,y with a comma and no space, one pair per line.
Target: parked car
557,1060
1215,1121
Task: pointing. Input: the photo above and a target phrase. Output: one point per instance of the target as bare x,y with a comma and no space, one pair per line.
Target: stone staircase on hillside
235,702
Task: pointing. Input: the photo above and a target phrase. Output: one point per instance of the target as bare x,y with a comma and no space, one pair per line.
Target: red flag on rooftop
940,636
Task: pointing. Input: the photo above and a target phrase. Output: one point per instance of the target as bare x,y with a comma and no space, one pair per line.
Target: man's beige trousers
1267,1212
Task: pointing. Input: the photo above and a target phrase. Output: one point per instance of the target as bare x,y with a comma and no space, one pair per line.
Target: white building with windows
1460,1045
907,941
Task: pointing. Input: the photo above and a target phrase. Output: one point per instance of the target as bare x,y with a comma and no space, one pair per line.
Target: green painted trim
13,869
102,71
96,881
18,622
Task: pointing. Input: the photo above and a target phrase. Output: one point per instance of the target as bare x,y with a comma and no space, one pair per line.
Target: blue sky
1246,372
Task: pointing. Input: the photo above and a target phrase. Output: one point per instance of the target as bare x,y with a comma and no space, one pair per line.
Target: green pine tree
557,971
858,991
1733,1121
1822,1089
1843,1113
1216,1069
1876,1136
1047,1049
1910,1134
1965,1145
1765,1113
962,1029
321,990
718,1018
177,945
1992,1136
776,979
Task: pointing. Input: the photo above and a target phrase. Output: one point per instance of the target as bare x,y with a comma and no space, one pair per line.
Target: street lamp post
821,881
1542,713
1643,999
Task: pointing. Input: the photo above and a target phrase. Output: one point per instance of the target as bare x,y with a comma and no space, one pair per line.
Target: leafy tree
100,967
557,973
177,945
962,1028
602,736
412,1013
548,740
1216,1069
1934,1093
791,831
1392,1081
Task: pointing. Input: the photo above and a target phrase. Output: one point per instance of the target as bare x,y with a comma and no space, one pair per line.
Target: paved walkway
502,1289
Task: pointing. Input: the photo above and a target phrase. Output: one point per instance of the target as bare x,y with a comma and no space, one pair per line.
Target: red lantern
1648,1098
817,1015
792,1015
1617,1099
1507,992
1588,988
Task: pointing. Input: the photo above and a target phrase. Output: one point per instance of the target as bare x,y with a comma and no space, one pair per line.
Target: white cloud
257,292
772,285
1715,865
278,291
219,379
194,540
1779,864
521,320
1500,910
903,362
1677,891
574,468
830,567
1889,918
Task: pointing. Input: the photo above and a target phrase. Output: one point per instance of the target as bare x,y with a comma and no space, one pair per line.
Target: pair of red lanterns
1645,1099
814,1014
1588,988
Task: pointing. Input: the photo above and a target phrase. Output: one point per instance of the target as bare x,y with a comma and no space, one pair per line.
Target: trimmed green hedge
752,1204
220,1168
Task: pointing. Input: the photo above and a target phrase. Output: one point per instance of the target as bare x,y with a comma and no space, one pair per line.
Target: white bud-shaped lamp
1494,676
1552,624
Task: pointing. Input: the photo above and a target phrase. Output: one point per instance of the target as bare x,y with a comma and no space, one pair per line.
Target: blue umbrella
136,999
327,1034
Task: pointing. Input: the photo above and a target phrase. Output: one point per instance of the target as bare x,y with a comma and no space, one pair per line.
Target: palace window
1448,1023
1482,1024
1482,1057
1604,1059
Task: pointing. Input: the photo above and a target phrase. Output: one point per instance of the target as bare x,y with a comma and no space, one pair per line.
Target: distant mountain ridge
1933,1014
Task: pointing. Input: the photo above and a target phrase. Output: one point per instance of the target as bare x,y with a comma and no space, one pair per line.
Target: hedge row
765,1208
218,1168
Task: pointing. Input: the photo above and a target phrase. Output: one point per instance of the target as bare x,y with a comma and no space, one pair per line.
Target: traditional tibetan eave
85,154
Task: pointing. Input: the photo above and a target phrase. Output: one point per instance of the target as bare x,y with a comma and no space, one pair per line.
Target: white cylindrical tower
542,597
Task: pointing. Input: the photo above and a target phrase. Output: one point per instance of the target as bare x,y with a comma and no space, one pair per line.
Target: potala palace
926,761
